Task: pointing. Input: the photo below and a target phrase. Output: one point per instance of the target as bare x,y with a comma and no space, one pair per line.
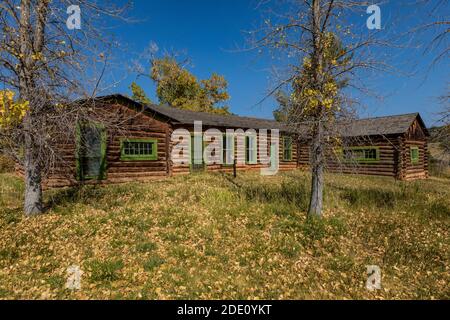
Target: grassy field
209,236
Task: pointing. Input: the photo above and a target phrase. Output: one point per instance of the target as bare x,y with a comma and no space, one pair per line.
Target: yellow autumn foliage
320,96
178,87
11,112
37,56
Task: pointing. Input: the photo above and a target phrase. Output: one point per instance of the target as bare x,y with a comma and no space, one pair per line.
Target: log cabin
141,149
393,146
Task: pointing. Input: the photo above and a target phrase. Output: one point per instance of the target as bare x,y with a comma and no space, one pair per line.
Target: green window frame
140,149
287,148
251,150
415,152
363,154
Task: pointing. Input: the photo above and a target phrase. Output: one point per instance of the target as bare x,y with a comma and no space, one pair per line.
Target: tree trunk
32,165
317,158
33,176
317,166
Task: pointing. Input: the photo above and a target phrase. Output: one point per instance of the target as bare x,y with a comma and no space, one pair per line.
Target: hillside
208,236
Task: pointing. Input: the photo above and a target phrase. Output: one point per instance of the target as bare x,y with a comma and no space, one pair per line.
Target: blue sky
210,31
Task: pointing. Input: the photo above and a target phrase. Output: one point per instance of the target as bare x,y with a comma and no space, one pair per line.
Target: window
251,152
139,149
228,149
361,154
414,155
287,148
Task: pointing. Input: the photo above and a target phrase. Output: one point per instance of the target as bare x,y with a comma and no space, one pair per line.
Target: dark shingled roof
397,124
217,120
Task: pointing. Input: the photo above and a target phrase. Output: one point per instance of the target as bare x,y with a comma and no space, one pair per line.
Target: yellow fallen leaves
175,240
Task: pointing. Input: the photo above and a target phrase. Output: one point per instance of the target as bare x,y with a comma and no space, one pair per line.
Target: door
274,156
197,167
91,152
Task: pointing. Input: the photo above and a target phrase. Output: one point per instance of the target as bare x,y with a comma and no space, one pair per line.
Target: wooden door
91,149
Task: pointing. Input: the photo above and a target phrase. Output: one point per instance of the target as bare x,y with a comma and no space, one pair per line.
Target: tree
12,111
316,100
285,100
437,21
284,106
176,86
42,64
439,25
139,94
325,61
442,134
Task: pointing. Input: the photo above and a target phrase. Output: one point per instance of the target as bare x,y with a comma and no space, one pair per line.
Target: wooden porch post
401,164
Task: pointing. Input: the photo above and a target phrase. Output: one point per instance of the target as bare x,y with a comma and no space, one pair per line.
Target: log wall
127,124
415,137
184,169
395,158
386,165
394,153
419,170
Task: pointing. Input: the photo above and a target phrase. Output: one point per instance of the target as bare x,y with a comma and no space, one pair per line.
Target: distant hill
434,133
439,155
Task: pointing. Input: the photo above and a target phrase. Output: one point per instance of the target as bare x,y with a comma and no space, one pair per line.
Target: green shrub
340,263
4,293
314,228
105,270
146,247
9,254
438,209
10,216
152,263
336,226
371,197
291,192
288,246
56,282
319,228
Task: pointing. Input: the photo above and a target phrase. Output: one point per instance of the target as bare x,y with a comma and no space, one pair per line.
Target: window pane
149,148
371,154
250,151
228,149
253,149
230,142
138,148
224,149
247,142
414,154
287,148
360,154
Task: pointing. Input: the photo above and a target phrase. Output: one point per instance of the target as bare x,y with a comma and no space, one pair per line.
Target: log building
393,146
